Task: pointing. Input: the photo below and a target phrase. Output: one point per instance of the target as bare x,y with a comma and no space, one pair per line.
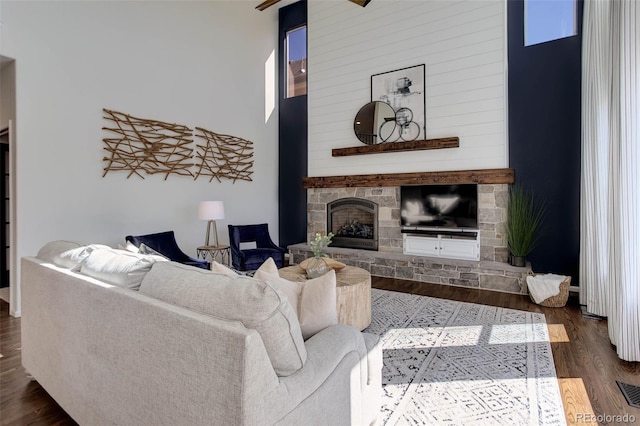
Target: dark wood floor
586,362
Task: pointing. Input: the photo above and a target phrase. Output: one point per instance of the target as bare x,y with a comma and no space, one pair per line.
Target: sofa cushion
118,267
258,305
313,300
66,254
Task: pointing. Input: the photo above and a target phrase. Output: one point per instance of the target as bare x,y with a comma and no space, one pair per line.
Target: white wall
193,63
462,44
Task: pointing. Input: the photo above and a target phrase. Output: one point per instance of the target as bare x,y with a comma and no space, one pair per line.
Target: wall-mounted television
439,206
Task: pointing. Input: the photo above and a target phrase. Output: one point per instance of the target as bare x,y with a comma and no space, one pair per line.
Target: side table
353,288
221,252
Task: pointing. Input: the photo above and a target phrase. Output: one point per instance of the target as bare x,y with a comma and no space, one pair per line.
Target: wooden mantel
485,176
453,142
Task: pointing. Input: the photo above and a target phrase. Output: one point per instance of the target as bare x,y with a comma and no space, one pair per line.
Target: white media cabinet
450,244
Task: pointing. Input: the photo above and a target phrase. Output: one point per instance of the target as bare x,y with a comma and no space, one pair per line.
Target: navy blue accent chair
251,259
165,244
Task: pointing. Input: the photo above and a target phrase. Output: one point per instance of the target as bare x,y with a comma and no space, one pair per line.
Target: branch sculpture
147,146
142,146
223,156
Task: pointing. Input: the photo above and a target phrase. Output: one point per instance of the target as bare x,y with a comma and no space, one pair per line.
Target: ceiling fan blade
265,4
362,3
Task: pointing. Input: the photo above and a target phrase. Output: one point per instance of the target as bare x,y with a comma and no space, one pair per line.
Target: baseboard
574,289
583,311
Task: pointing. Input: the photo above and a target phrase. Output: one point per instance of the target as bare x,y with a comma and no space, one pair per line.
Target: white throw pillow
318,304
268,272
130,247
145,249
315,300
119,267
222,269
52,250
67,254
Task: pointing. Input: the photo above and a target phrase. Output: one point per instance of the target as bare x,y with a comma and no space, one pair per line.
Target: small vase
317,267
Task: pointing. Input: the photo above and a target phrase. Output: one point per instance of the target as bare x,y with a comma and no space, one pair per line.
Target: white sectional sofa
190,347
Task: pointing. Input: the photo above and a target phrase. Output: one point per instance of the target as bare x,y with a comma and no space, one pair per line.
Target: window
296,51
547,20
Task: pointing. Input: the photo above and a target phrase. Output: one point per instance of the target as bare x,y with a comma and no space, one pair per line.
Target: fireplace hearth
354,223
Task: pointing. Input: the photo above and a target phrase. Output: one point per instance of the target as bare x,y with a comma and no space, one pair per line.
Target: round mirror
374,123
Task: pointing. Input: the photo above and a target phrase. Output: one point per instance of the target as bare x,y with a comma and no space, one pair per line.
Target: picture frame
404,90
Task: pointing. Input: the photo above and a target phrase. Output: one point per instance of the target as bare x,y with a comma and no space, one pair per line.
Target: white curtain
610,194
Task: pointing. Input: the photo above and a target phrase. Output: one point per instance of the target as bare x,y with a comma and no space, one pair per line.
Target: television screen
441,206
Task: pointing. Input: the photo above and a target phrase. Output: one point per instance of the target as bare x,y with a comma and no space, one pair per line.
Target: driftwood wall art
143,146
223,156
147,146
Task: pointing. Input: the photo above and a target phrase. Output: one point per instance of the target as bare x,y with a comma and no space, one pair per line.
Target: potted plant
524,216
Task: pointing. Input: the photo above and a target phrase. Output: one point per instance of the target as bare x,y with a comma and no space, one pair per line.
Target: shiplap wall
462,44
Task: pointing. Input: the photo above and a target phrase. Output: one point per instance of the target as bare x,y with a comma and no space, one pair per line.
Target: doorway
5,217
9,273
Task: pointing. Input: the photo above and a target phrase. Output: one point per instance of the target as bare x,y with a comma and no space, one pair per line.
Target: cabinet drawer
422,246
459,249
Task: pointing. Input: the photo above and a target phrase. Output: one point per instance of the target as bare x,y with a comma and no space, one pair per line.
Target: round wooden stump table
353,290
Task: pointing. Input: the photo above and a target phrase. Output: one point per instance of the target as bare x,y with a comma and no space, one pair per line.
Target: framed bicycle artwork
404,90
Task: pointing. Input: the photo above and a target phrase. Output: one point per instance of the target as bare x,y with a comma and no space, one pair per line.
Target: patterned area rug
454,363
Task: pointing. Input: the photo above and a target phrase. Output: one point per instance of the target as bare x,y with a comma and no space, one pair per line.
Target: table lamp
211,211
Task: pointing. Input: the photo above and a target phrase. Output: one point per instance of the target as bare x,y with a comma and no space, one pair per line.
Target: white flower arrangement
319,243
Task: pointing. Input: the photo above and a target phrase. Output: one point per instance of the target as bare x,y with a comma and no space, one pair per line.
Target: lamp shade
211,210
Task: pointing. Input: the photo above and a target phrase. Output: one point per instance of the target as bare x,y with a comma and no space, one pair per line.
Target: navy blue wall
544,136
292,154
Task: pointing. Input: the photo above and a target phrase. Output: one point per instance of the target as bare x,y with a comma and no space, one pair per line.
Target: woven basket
560,299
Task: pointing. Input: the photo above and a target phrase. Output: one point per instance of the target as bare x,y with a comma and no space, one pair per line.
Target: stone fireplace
492,211
354,223
491,272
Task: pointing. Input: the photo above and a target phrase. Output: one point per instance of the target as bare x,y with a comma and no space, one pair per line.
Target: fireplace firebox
354,223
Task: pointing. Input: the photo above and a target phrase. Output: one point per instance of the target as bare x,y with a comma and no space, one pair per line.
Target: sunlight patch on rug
454,363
